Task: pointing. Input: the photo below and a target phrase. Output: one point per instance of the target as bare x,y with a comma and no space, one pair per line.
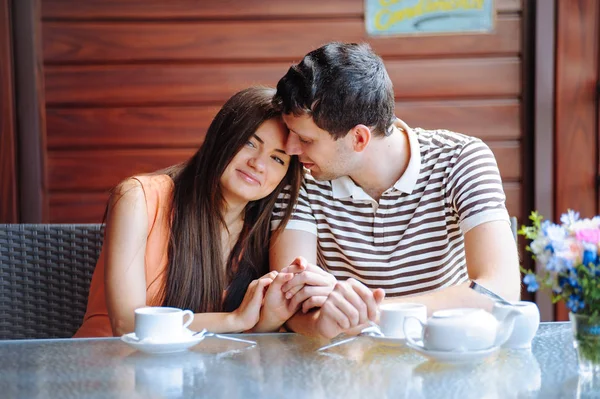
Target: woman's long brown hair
196,277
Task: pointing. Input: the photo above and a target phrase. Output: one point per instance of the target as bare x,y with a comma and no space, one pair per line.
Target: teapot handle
410,339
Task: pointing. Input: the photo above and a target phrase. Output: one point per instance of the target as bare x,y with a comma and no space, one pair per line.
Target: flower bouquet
568,255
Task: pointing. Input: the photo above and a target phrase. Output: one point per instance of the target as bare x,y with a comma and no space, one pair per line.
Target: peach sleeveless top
158,190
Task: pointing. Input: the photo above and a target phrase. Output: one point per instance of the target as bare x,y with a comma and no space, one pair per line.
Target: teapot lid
457,312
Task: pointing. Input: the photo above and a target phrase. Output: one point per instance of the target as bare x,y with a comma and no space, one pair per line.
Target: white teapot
463,329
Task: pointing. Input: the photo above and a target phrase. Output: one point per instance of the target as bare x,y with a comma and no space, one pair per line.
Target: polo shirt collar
344,187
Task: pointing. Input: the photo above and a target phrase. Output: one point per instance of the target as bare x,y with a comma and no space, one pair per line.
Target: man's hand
310,286
348,306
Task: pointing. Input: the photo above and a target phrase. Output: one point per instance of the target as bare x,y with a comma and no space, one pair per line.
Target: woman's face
260,165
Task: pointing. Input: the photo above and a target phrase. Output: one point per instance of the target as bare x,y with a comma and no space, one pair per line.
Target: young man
385,210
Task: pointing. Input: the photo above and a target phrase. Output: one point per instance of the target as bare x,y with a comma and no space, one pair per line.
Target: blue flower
544,226
562,281
554,264
572,305
569,264
589,257
559,264
531,282
575,303
574,282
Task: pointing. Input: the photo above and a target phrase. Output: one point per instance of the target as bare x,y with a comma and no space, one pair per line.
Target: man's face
326,158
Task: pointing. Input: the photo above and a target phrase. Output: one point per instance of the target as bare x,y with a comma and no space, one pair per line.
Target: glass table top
287,366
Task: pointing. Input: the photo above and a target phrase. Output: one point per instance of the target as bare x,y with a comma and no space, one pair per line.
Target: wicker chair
45,273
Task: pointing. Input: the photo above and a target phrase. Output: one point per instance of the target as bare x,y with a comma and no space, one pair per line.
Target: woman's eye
303,141
249,143
278,160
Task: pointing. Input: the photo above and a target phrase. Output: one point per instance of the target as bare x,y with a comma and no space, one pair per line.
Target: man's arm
492,260
290,244
475,191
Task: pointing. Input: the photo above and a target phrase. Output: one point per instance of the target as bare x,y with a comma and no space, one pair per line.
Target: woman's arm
125,275
125,240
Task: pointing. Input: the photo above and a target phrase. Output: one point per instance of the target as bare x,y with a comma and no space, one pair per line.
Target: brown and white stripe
412,240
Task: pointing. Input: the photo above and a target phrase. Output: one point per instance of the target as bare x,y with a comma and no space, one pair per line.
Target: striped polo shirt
411,240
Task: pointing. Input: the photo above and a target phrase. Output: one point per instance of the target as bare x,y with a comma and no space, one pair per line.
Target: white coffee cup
392,316
161,324
526,324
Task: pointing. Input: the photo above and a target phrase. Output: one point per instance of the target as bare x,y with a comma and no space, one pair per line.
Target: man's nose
293,145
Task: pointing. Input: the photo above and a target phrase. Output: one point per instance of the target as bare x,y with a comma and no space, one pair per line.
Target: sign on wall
409,17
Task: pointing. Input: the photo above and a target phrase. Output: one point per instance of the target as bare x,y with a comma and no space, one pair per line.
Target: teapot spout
506,316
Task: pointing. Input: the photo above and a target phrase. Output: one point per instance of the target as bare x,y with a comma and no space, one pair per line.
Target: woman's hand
247,315
275,310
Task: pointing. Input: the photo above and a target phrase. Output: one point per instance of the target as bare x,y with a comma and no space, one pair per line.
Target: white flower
569,218
538,246
543,257
585,224
556,233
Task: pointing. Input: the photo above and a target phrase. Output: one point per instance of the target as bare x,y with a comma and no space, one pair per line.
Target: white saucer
454,357
148,346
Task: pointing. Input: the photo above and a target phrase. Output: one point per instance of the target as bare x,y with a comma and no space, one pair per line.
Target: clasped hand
345,306
274,298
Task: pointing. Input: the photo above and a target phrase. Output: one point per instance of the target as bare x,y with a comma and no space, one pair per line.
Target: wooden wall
131,85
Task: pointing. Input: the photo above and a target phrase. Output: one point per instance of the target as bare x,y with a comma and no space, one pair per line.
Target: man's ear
361,136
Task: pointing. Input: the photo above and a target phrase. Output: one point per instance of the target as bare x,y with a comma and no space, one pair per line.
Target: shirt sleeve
302,216
476,188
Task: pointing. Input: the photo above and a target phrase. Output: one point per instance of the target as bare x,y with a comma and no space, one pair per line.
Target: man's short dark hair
340,85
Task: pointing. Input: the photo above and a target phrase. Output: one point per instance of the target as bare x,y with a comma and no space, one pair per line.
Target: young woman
196,235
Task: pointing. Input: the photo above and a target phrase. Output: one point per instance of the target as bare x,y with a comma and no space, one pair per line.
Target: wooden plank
186,126
487,77
508,156
8,161
77,207
128,127
486,119
214,83
514,200
577,48
94,170
88,207
187,9
289,40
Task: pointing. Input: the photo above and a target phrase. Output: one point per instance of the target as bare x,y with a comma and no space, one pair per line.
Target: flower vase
586,340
